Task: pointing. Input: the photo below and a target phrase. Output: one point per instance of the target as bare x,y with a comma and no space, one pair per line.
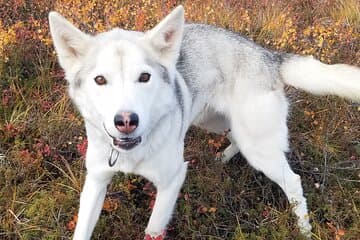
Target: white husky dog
139,93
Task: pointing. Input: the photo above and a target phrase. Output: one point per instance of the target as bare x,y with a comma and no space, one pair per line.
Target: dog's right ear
70,43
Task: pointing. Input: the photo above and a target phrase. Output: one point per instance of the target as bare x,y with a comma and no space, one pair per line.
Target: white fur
221,81
166,37
70,43
313,76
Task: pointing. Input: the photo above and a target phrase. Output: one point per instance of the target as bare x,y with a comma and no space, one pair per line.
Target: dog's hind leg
217,123
230,151
258,125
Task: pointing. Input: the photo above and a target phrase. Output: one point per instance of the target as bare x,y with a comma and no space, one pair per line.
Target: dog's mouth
125,143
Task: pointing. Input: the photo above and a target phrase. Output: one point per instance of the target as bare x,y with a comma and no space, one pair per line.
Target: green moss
41,207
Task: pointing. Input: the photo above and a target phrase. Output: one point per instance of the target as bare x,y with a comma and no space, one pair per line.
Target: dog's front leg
166,197
91,201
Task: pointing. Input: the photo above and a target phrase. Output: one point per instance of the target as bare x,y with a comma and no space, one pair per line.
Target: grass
43,140
348,11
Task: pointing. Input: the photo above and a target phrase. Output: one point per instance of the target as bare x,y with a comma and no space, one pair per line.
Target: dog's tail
309,74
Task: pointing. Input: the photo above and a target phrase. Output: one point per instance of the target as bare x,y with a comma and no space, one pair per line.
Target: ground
43,141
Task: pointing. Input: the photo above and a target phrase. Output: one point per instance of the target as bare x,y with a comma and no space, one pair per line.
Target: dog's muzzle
125,143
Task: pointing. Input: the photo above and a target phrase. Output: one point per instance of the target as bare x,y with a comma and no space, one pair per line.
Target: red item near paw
159,237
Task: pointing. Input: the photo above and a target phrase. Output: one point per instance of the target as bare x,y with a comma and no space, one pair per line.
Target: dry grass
42,137
347,11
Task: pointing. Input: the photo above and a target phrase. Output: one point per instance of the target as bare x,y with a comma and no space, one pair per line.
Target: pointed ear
70,43
165,38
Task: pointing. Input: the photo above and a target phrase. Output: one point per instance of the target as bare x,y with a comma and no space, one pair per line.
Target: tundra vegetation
42,139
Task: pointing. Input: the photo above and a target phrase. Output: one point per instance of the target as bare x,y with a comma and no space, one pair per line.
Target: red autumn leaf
151,204
81,147
186,196
203,209
70,226
110,205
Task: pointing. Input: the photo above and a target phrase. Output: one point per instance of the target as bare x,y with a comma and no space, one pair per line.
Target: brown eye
100,80
144,77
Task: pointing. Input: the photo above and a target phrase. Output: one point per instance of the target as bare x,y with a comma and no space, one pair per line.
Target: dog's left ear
165,38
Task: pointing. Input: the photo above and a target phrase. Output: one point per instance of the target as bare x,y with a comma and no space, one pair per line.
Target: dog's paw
305,227
155,237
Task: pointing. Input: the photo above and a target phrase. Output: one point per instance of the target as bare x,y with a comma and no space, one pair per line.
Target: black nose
126,122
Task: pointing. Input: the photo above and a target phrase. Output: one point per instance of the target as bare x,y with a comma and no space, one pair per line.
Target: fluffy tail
309,74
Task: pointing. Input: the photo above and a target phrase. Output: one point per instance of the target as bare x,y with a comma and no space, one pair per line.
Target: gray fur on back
227,57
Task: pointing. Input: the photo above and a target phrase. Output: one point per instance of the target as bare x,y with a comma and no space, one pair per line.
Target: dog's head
121,81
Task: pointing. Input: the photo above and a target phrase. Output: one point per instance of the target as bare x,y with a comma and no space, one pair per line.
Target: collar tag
113,160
